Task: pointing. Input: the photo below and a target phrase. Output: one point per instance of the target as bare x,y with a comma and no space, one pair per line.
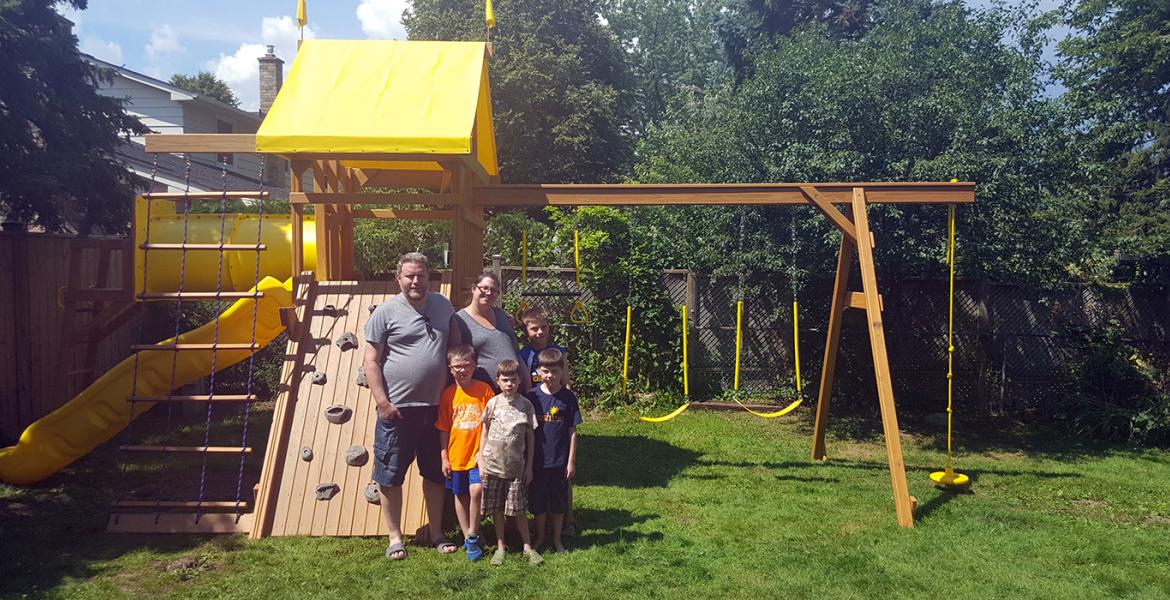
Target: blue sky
163,37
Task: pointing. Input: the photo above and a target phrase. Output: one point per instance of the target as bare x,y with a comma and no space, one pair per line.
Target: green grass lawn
707,505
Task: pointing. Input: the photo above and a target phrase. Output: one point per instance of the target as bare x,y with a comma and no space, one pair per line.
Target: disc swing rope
948,478
795,330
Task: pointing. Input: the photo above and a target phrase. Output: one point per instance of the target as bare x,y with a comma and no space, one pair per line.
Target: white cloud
100,49
92,45
164,40
382,18
241,69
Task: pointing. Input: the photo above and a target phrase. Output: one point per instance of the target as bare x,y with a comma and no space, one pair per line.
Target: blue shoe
473,548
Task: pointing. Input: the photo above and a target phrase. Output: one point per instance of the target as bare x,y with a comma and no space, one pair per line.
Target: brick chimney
271,78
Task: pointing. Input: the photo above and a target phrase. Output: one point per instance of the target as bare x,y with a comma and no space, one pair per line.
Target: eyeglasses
486,289
430,330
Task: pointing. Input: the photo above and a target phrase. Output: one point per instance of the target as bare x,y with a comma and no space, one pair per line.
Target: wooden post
832,338
324,238
298,228
881,366
466,236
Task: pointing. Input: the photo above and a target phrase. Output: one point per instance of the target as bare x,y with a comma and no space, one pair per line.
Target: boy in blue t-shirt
539,332
555,462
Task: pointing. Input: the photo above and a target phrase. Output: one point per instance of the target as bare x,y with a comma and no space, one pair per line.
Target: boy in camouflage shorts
505,462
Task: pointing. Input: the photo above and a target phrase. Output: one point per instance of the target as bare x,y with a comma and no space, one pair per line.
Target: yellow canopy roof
384,97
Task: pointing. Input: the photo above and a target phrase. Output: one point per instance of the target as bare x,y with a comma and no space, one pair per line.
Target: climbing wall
306,450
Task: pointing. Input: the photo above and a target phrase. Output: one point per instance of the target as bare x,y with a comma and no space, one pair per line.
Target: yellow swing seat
678,411
771,415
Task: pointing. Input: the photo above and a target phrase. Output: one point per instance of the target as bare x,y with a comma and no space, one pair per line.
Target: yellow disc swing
949,478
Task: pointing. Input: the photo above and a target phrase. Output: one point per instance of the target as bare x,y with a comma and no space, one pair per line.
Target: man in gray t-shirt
405,364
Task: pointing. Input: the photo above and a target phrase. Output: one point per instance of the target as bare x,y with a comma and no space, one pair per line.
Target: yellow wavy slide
101,410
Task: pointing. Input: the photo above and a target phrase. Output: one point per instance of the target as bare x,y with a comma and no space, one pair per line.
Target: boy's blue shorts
460,482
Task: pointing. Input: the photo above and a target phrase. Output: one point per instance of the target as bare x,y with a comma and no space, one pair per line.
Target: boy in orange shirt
459,422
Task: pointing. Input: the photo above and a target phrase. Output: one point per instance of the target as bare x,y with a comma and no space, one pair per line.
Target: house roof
384,97
205,177
177,93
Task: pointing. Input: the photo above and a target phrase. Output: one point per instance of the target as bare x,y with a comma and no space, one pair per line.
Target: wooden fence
33,361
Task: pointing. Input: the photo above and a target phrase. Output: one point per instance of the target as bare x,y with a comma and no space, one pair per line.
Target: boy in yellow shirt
460,425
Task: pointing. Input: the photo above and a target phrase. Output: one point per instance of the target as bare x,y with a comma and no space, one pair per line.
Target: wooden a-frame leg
881,365
832,338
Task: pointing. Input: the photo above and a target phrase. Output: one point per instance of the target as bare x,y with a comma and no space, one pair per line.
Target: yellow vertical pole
738,339
686,379
626,360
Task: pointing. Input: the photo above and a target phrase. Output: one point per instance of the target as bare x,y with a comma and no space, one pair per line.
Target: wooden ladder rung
200,398
189,449
203,246
179,523
208,505
177,347
197,295
204,195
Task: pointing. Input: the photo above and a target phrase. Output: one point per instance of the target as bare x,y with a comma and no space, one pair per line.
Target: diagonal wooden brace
835,217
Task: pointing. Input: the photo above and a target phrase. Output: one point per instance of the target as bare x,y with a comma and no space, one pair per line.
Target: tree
925,95
747,27
670,46
560,85
206,83
58,135
1116,65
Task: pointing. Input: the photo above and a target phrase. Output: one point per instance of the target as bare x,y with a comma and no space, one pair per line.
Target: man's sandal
445,547
396,551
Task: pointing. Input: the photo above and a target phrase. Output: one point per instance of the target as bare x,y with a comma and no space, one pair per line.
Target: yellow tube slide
202,269
101,410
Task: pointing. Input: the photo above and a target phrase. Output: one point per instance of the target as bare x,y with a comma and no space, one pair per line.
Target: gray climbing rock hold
356,456
338,413
359,377
329,309
327,490
348,341
372,308
306,454
371,493
319,377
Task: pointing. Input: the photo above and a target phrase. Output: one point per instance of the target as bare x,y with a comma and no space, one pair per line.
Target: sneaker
534,557
498,557
473,547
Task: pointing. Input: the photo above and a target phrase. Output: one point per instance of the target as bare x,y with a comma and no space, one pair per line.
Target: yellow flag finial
302,14
489,14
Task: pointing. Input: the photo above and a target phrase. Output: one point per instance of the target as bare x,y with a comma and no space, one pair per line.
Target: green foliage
670,45
617,269
1116,65
748,27
378,243
559,85
925,95
58,135
1121,394
205,83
